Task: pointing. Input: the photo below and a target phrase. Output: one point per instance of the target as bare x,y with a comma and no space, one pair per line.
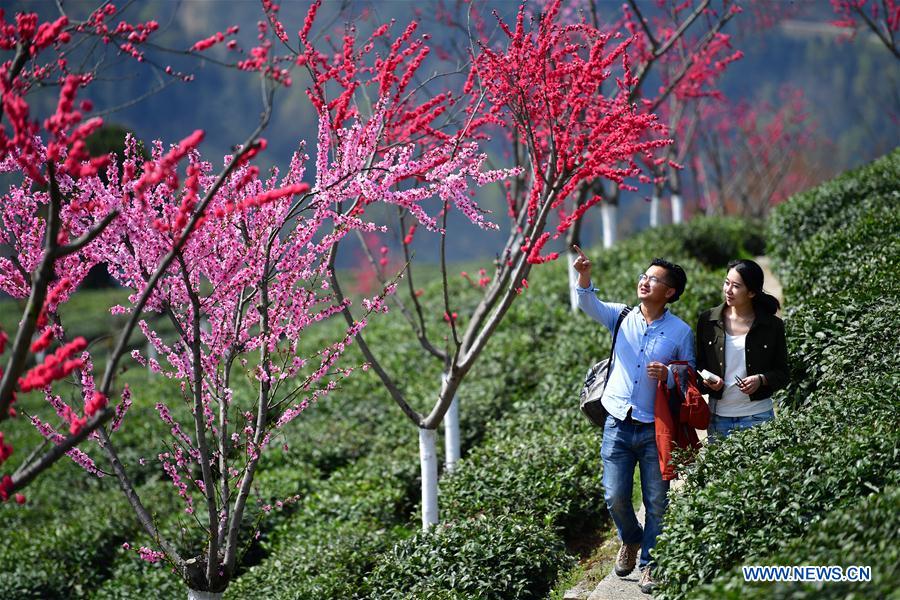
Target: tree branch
262,410
688,63
212,571
658,52
23,477
421,331
87,237
41,279
386,379
108,375
642,21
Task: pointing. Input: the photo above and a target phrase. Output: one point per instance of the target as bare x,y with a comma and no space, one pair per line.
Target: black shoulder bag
595,381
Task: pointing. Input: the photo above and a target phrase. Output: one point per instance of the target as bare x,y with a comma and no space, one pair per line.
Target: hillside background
852,86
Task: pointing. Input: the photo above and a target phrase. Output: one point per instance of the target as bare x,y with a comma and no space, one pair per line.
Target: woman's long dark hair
753,277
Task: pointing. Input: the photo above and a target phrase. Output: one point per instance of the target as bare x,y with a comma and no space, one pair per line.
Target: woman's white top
734,402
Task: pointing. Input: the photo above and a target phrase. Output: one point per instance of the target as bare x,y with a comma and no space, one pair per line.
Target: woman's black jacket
765,351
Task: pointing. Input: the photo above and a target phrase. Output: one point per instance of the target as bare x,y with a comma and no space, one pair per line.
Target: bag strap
615,336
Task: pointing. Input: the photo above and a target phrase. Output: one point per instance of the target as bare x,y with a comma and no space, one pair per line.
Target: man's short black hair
675,275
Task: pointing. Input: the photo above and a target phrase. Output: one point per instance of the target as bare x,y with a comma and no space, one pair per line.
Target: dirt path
772,284
620,588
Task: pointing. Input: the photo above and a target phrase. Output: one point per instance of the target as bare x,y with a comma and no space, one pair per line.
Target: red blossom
550,88
55,366
308,21
50,33
96,403
409,235
43,340
56,293
164,168
271,9
255,148
882,17
264,198
534,255
6,450
6,486
76,423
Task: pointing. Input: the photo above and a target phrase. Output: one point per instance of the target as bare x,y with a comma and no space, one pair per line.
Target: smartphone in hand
709,376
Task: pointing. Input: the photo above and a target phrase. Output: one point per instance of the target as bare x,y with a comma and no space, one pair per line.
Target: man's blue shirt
666,339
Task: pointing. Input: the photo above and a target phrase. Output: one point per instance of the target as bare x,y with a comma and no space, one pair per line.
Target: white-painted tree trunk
654,211
573,281
428,462
677,208
197,595
451,433
609,212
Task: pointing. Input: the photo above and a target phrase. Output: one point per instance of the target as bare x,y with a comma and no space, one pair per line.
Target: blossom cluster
882,17
66,127
549,87
55,366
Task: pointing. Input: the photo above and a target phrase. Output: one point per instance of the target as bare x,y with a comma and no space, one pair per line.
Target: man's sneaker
627,558
646,582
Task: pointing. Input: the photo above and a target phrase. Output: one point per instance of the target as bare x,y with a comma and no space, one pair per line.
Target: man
649,338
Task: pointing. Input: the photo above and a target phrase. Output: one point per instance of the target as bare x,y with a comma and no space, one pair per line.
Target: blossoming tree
752,155
251,279
48,226
542,87
240,266
679,51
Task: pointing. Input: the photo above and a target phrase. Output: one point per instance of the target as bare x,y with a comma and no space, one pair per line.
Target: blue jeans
721,427
624,446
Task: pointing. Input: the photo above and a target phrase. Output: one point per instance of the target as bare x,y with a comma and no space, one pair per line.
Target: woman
741,342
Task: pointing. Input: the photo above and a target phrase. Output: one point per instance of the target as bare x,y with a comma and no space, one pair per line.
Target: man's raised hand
582,264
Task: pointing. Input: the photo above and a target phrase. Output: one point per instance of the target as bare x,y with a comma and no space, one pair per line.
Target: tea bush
763,488
481,557
850,536
790,492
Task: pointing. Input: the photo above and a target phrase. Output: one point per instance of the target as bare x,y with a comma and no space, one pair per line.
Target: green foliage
554,475
710,241
829,206
131,578
352,459
796,491
486,556
714,241
334,536
44,556
839,337
854,256
765,487
852,535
